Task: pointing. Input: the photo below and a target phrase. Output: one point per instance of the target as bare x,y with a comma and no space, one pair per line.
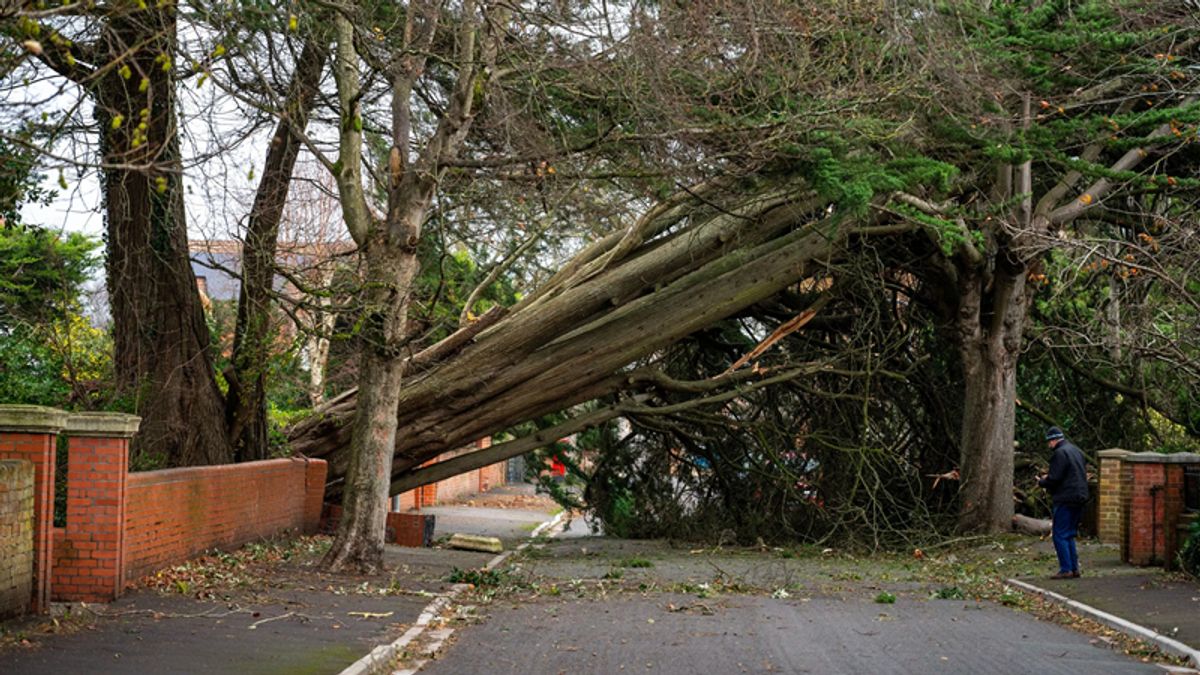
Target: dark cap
1053,433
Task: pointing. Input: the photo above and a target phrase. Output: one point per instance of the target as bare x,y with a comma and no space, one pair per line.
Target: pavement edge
382,656
1117,623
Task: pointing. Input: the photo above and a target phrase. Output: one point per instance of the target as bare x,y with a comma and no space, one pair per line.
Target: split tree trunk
161,341
986,464
390,248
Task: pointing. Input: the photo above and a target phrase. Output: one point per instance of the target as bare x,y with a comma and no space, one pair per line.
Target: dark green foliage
41,273
810,460
1189,553
20,183
479,577
30,372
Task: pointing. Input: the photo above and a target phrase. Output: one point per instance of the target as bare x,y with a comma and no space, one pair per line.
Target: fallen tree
684,266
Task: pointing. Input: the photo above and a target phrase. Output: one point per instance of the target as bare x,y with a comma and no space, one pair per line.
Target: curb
1117,623
381,657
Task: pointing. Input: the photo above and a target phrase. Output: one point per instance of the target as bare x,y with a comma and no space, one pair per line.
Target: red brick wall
457,487
1172,512
408,501
492,476
1147,512
174,514
38,449
1152,508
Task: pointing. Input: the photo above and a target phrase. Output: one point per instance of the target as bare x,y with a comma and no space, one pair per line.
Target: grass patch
635,562
885,598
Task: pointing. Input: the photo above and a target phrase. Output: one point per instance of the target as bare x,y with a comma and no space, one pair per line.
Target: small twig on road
163,615
276,618
956,540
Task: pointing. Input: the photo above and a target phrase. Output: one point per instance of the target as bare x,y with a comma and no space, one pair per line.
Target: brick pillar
30,432
1172,511
1109,500
1126,507
1146,513
97,470
314,493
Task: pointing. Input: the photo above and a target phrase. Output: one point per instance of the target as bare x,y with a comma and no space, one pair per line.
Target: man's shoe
1064,575
1075,574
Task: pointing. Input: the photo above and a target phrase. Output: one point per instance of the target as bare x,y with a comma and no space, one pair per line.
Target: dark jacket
1067,480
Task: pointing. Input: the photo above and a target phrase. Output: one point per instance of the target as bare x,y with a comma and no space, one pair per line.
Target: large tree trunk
360,534
989,401
254,334
390,248
161,341
990,325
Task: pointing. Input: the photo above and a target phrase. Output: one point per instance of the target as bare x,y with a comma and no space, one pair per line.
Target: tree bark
390,248
360,535
990,326
253,336
161,341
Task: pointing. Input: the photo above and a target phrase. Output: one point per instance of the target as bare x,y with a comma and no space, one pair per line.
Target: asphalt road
680,634
308,631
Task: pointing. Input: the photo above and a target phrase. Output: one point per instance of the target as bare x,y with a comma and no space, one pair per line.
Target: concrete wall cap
1160,458
32,419
103,424
1114,452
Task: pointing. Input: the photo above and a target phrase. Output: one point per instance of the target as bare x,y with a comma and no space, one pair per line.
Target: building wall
16,537
457,487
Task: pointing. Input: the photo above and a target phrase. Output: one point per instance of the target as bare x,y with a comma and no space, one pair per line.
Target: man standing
1067,485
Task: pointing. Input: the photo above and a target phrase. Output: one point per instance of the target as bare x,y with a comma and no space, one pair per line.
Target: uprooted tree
1000,157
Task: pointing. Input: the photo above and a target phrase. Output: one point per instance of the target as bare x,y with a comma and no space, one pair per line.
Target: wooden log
472,542
1027,525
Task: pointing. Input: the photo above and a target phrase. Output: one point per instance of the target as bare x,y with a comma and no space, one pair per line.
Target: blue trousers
1066,526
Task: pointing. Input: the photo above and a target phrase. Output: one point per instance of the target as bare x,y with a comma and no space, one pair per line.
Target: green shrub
480,577
1189,553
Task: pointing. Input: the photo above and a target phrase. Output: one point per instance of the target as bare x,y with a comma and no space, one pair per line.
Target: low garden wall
175,514
122,525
